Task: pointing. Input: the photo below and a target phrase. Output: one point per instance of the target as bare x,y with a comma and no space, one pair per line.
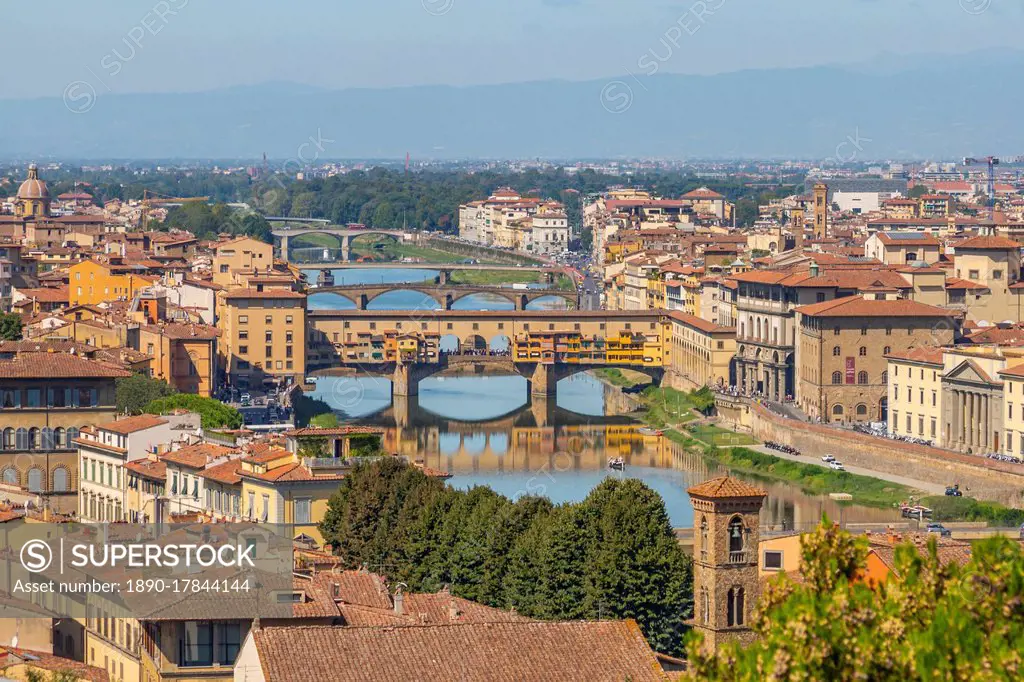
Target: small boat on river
616,463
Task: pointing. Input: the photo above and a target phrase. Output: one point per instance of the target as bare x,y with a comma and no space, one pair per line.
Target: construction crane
151,198
991,162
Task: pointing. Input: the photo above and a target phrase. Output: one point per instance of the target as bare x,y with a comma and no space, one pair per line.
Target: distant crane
151,198
991,162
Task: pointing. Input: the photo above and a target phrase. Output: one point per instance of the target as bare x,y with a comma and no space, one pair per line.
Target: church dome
33,187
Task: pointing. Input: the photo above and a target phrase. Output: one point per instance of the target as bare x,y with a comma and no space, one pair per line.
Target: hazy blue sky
47,44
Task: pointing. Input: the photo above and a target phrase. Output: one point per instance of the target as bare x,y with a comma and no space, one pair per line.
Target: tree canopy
214,413
928,621
613,555
10,326
136,392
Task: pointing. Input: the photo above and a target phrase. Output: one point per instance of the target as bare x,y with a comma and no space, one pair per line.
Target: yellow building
1013,411
93,282
184,355
701,352
915,393
240,255
282,487
263,335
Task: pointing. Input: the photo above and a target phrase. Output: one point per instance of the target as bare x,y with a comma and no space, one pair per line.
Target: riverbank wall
983,479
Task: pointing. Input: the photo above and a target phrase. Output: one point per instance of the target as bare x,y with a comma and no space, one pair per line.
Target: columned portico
973,410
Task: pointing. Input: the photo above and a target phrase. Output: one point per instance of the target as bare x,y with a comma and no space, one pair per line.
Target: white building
858,202
103,450
187,488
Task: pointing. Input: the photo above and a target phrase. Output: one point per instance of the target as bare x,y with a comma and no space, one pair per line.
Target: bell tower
820,210
725,559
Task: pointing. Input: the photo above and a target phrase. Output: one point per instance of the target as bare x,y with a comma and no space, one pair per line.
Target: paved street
815,458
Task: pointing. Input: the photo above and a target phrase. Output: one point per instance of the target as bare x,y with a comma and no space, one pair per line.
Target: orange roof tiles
471,652
57,366
988,243
928,355
856,306
197,456
130,425
725,486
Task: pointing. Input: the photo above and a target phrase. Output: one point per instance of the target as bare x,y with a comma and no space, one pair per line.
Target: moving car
838,466
938,528
828,459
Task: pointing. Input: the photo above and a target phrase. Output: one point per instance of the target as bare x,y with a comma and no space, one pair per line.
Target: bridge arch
510,296
475,343
568,298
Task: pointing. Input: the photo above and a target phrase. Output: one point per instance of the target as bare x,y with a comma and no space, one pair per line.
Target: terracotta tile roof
147,468
918,239
197,456
856,306
1017,371
698,322
57,366
579,650
725,486
927,355
262,453
990,243
228,473
46,294
957,283
176,330
57,664
130,425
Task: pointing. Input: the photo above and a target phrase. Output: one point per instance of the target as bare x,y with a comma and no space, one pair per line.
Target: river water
486,430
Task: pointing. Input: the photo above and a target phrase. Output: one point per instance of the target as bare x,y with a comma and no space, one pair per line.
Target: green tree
327,420
928,621
10,327
214,413
917,191
136,392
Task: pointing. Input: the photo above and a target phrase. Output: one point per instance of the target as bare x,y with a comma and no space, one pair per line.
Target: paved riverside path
933,488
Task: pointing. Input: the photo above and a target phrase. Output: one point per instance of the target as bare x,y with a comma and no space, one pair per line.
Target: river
486,430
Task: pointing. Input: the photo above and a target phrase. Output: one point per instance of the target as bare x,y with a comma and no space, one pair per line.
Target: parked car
838,466
954,491
828,459
938,528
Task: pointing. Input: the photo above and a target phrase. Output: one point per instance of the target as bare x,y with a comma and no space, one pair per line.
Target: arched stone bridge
343,235
445,295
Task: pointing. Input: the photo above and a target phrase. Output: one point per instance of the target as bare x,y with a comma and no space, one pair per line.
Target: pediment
968,372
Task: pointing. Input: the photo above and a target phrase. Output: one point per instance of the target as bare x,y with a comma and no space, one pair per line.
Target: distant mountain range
941,107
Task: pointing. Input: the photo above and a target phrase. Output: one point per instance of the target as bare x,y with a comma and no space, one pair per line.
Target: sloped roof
725,486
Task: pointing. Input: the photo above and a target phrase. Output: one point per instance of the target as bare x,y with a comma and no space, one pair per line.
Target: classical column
985,430
969,420
956,419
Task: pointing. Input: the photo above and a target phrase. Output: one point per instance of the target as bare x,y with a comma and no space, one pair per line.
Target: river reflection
487,431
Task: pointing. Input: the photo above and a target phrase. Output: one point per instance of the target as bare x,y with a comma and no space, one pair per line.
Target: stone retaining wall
984,479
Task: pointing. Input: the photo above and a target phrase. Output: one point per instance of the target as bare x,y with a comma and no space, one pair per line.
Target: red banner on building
851,370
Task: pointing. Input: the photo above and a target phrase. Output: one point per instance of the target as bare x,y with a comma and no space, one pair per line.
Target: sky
189,45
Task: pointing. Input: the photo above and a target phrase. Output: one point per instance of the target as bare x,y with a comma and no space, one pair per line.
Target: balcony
737,557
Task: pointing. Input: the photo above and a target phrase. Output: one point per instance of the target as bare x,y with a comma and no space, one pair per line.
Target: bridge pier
405,381
443,276
284,247
544,381
363,302
345,252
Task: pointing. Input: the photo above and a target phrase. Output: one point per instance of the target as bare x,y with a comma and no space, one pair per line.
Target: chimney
813,269
336,591
453,611
399,600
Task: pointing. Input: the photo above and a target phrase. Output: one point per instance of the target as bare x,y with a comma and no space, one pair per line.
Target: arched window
72,435
21,438
837,410
862,378
10,476
705,605
60,438
836,351
863,351
703,537
862,410
60,480
8,438
34,438
35,480
47,438
837,377
736,535
885,377
887,350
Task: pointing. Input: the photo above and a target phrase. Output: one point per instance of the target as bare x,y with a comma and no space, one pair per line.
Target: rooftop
57,366
724,486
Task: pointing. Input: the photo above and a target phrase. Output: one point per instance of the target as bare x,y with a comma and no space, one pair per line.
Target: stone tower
725,559
820,210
